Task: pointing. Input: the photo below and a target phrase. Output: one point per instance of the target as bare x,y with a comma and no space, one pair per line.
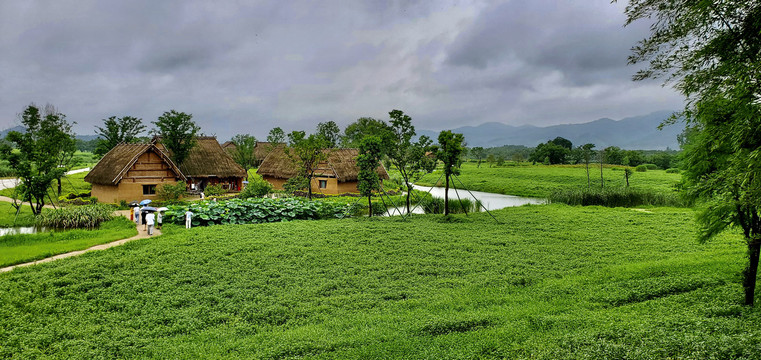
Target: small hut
209,164
132,171
337,175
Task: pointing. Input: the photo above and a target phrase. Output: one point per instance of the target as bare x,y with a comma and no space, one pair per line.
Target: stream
491,201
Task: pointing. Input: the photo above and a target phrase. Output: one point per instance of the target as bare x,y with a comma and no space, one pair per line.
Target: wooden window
149,189
323,184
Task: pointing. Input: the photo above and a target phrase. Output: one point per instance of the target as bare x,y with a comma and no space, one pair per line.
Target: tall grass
76,217
616,197
432,205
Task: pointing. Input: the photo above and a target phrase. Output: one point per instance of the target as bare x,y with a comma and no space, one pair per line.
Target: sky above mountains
245,67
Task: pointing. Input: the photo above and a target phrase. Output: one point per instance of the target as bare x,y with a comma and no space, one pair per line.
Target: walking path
141,233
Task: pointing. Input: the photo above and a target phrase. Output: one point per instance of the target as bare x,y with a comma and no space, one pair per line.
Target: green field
548,282
8,215
16,249
74,183
541,180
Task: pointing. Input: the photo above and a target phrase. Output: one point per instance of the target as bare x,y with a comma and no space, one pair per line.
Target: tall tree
276,136
178,133
408,157
479,153
307,152
244,153
117,130
368,162
366,126
329,132
449,150
711,51
41,149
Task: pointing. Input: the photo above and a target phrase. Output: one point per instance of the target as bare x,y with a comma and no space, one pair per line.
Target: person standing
159,220
142,215
136,210
149,221
188,219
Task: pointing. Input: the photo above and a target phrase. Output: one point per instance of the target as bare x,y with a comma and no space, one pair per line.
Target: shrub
214,190
76,217
169,193
641,168
296,183
673,171
650,166
616,197
257,187
432,205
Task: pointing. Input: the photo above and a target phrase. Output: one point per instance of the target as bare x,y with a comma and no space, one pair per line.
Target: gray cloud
247,67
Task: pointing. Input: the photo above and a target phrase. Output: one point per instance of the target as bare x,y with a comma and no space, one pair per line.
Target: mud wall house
132,172
209,164
337,175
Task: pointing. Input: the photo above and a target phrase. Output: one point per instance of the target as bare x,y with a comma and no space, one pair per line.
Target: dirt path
141,234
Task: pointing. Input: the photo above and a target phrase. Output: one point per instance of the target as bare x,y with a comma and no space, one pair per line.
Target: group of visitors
147,218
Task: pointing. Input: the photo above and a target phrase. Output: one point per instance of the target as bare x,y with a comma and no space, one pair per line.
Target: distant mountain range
634,133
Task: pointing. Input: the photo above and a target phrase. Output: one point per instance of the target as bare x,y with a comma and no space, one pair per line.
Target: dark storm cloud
249,66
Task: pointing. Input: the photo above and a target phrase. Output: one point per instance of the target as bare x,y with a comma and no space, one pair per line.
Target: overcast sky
247,66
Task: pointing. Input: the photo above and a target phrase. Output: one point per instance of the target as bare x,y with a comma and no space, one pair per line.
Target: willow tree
711,51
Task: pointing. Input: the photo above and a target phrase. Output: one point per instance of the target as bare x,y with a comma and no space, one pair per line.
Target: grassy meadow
16,249
74,183
524,179
547,282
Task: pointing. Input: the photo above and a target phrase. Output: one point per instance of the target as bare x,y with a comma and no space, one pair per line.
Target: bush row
616,197
76,217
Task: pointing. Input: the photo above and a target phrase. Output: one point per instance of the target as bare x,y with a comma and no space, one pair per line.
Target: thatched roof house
261,150
337,175
132,171
208,164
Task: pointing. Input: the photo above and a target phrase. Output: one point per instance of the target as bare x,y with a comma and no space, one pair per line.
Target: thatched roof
229,145
114,165
341,164
263,149
207,159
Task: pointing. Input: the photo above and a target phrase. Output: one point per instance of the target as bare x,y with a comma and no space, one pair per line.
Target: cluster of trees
42,154
562,151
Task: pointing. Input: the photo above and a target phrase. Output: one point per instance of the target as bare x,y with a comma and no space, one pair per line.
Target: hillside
639,132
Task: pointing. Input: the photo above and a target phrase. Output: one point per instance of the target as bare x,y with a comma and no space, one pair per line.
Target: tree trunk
479,163
589,181
369,206
59,186
749,278
446,196
409,193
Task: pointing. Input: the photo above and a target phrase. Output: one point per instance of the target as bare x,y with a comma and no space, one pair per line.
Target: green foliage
17,249
8,215
306,153
673,171
171,193
42,152
244,154
296,183
178,133
368,162
329,132
432,205
253,211
550,282
257,187
366,126
276,136
550,153
651,166
616,197
116,131
76,217
641,168
214,190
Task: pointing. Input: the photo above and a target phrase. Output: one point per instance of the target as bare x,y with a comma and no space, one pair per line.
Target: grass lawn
541,180
74,183
8,215
548,282
16,249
